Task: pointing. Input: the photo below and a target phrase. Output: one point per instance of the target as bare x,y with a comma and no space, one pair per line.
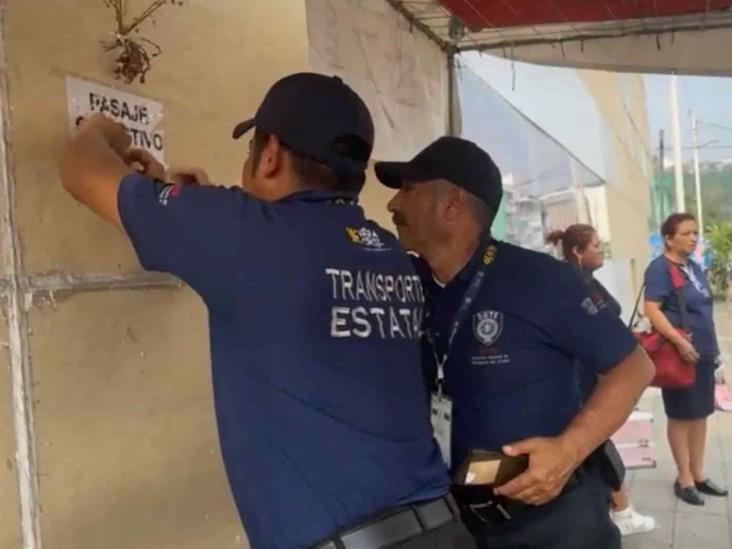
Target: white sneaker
629,521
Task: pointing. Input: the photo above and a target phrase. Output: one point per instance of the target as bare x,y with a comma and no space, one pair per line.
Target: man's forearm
610,404
91,170
85,156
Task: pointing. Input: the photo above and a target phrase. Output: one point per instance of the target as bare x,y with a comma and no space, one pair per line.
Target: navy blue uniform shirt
699,302
314,317
587,378
516,377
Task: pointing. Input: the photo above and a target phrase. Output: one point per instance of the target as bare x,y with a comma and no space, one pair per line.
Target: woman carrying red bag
688,408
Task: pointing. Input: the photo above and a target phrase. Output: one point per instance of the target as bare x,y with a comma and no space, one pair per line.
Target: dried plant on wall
137,52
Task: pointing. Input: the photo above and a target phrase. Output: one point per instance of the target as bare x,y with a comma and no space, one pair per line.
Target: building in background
574,147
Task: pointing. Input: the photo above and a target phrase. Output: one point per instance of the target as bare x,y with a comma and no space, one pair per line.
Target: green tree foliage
719,236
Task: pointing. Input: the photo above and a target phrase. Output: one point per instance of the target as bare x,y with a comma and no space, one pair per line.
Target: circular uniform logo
488,326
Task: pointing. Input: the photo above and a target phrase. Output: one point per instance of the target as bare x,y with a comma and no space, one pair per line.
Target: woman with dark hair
581,248
687,409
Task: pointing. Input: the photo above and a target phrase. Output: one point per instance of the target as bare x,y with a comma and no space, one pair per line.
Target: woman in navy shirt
581,248
687,409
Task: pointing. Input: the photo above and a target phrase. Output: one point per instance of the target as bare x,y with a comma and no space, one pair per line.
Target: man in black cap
314,318
505,328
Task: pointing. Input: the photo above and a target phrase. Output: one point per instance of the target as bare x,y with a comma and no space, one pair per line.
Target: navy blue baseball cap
459,161
318,117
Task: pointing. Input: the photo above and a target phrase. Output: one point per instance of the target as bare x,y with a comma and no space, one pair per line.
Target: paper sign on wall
141,115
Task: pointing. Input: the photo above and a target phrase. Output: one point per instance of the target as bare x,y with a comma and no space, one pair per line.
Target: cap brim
242,128
392,174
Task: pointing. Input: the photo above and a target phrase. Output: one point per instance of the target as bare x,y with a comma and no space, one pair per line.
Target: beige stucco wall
374,199
127,453
9,504
400,73
620,98
219,57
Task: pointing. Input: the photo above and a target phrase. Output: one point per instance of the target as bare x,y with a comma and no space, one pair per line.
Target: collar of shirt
322,195
469,269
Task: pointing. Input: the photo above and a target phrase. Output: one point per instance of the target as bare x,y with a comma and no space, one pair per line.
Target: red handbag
672,372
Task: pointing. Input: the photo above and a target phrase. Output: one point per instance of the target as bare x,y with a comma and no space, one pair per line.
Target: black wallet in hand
490,468
478,475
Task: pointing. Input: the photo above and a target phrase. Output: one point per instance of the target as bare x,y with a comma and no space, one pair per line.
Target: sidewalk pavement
682,526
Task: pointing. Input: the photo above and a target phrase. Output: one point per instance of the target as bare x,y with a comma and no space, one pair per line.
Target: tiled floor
683,526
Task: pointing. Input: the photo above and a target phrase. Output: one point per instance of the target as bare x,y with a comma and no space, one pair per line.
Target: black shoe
708,487
689,494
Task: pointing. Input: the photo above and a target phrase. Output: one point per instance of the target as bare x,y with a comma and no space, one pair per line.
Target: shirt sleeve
193,232
584,330
658,282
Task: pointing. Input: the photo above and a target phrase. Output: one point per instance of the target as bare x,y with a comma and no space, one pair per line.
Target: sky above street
711,100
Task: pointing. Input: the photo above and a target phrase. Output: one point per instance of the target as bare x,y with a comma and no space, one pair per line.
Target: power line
701,148
719,126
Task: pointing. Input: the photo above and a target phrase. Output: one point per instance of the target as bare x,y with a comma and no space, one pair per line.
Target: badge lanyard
489,256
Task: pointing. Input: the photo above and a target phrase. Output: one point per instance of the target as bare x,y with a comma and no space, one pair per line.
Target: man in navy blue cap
314,316
505,328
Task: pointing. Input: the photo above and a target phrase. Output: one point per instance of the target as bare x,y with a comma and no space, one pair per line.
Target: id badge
441,417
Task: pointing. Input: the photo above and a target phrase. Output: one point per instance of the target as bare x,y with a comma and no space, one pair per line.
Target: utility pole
697,175
661,153
661,187
676,139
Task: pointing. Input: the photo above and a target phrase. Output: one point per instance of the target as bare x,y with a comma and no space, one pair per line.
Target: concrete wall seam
25,439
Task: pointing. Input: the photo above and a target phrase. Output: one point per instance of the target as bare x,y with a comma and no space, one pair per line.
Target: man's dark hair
309,173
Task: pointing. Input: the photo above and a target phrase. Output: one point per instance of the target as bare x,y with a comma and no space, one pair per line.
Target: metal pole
697,175
660,187
661,154
454,117
676,138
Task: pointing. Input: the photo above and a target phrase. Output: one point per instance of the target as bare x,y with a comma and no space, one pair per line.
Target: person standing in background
687,409
580,247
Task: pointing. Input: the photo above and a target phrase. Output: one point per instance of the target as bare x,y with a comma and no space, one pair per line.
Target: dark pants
450,536
577,519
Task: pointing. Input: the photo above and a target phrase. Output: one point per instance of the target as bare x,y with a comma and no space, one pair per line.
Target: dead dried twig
134,59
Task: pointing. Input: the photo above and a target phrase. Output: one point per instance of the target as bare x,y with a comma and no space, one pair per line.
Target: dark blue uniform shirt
515,377
314,317
586,377
699,302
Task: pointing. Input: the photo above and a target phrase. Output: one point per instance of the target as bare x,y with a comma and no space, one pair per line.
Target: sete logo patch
488,326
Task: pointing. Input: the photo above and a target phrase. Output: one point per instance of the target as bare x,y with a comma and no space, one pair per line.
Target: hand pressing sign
145,163
114,133
190,176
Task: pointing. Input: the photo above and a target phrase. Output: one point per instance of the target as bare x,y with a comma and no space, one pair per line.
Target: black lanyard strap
489,256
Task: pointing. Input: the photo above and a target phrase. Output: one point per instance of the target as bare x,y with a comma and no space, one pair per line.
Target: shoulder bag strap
678,282
637,305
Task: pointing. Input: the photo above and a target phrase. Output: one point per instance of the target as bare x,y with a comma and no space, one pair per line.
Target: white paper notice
141,115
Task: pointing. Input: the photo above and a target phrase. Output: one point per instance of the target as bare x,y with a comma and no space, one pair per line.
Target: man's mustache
398,219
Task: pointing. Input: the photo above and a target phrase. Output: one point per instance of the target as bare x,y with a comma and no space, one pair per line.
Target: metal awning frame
452,36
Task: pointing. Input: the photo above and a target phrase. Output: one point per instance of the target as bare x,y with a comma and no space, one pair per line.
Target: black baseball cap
461,162
318,117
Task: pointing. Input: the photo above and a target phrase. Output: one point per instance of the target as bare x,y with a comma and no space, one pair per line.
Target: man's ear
271,160
454,201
